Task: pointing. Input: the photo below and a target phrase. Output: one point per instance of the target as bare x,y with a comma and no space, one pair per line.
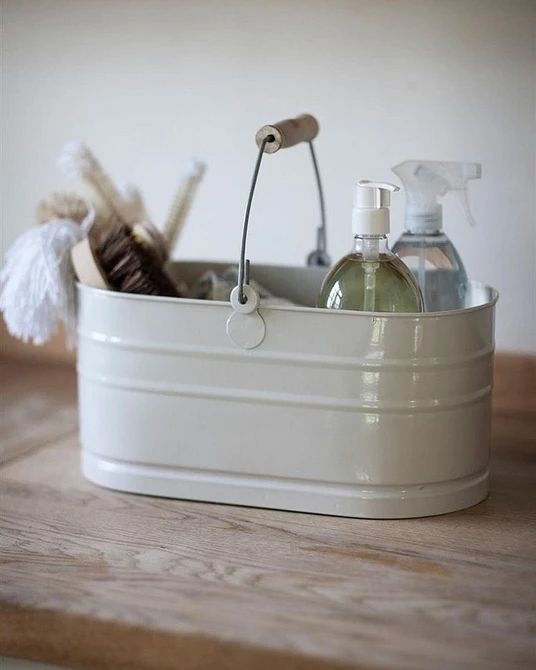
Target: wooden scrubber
117,261
131,267
93,257
132,259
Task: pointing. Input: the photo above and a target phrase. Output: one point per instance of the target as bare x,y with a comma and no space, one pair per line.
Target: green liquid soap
371,278
380,282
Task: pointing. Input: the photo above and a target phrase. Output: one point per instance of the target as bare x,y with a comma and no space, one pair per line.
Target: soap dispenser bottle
371,278
424,247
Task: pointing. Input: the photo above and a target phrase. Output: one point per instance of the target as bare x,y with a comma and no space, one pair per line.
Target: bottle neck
423,231
370,246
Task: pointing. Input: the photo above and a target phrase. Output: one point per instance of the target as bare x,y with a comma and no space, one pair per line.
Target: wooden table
91,578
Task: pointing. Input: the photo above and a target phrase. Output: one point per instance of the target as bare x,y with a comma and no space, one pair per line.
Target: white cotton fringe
38,283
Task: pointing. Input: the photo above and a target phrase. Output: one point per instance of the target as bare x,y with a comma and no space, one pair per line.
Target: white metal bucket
335,412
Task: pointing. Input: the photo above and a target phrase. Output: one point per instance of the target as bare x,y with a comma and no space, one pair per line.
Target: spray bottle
371,277
424,247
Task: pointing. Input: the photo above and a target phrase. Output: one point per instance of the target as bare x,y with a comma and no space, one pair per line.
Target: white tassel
38,282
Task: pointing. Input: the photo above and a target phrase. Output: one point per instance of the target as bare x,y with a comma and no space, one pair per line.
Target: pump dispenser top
371,278
424,182
370,215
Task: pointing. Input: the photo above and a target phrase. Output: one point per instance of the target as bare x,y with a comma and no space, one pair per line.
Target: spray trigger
464,200
427,181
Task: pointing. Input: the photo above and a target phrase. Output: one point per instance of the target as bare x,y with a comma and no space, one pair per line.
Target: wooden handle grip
86,265
288,132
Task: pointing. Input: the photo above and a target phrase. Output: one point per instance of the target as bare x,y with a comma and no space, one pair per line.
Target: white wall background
148,83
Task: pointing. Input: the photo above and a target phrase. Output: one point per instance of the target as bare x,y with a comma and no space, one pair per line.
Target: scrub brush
131,267
131,259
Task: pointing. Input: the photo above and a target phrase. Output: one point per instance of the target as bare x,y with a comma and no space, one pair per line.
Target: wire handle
270,139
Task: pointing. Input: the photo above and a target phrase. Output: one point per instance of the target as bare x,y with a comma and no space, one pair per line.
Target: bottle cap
370,215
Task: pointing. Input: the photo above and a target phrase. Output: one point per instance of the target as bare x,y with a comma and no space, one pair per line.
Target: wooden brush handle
161,243
95,175
86,265
76,158
182,203
288,132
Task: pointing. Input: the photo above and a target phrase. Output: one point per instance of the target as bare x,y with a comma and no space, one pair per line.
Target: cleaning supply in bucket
128,265
131,255
371,278
219,285
37,281
95,257
423,246
77,161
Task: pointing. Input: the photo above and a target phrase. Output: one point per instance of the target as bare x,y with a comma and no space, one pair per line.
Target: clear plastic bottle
371,278
425,249
437,266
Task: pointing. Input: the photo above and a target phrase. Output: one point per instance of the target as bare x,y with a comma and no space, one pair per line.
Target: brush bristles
129,267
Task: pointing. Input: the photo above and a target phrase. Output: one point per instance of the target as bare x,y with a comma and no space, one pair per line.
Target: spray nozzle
425,182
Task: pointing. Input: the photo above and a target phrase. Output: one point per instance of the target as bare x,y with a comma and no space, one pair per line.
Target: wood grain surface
92,578
38,406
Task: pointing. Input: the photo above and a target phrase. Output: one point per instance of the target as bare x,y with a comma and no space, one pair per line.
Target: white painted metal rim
368,502
115,295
